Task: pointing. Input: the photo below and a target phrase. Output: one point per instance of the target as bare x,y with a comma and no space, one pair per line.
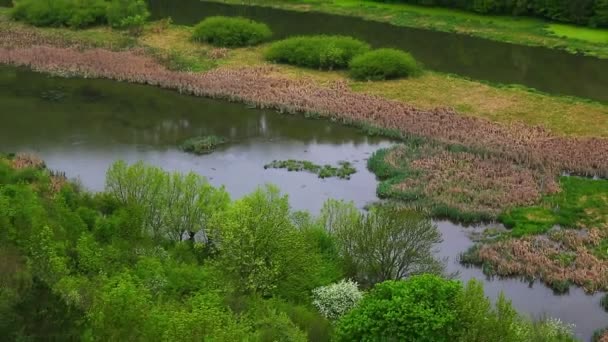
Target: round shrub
321,52
73,13
127,14
231,32
383,64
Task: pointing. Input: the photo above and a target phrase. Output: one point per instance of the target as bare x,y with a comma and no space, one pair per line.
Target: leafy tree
120,310
172,205
384,244
422,308
261,248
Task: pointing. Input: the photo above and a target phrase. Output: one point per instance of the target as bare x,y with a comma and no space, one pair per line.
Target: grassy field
582,203
517,30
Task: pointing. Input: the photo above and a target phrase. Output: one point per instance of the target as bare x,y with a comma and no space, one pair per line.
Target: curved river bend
82,126
548,70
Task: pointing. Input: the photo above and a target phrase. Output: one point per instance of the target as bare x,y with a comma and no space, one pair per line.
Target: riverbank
515,30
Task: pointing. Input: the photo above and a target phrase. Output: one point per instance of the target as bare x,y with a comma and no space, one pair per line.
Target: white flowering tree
335,300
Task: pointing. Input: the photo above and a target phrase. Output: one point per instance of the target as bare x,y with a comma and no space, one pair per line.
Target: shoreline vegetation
460,139
515,30
125,264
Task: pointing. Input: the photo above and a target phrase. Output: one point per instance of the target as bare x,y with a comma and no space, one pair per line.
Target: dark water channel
548,70
82,126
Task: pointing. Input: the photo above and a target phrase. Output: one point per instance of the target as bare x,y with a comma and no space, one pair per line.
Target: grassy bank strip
516,30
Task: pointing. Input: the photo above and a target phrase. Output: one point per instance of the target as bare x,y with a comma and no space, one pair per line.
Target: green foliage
319,52
231,31
260,247
203,145
429,308
585,12
604,302
77,266
582,202
419,309
385,244
127,14
343,171
383,64
171,204
73,13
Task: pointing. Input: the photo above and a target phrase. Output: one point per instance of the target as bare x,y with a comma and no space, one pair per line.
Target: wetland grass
343,171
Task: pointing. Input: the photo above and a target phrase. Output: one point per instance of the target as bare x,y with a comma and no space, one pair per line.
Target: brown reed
260,87
468,182
563,256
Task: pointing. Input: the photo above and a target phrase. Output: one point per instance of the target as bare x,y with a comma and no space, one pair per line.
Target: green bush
604,302
231,32
383,64
321,52
73,13
127,14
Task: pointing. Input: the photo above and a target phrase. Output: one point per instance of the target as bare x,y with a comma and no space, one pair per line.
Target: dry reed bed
562,256
257,86
468,182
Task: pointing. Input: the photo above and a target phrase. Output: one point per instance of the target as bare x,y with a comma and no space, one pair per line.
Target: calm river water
82,126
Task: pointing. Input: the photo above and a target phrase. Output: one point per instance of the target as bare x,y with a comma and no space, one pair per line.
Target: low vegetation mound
561,258
456,183
203,145
343,171
81,13
318,52
383,64
231,32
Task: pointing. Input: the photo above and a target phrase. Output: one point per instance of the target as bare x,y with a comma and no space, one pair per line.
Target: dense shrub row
231,32
341,52
81,13
319,52
583,12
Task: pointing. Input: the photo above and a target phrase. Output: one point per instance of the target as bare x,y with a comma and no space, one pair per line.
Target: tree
385,244
261,248
120,310
172,205
421,308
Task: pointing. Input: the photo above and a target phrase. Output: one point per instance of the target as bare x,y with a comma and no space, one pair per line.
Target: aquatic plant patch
343,171
456,183
582,203
203,145
259,87
561,258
